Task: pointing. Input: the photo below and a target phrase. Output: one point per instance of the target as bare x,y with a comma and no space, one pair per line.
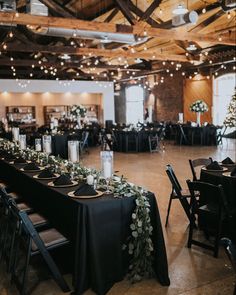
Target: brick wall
169,98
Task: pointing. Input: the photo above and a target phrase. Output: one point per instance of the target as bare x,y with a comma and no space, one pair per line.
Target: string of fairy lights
89,64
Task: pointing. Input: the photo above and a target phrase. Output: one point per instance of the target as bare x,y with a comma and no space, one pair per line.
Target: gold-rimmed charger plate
211,170
13,162
99,194
46,178
40,169
227,165
63,185
228,174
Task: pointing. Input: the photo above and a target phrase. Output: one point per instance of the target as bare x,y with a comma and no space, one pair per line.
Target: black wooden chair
7,235
183,137
177,193
209,207
34,243
230,250
198,163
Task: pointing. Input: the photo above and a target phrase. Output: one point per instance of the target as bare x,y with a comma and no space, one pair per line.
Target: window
222,93
134,104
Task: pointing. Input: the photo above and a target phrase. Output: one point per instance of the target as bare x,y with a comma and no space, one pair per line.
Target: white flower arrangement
198,106
78,110
139,243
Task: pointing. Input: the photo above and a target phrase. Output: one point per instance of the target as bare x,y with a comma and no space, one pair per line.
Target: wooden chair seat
50,237
14,196
23,207
37,219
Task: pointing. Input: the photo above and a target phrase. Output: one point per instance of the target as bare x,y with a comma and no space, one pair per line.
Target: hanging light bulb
228,15
11,34
204,10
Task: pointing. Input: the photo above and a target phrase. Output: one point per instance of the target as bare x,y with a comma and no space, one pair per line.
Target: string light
11,34
228,15
204,10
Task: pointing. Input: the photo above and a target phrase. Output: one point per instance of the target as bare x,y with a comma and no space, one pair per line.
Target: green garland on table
139,244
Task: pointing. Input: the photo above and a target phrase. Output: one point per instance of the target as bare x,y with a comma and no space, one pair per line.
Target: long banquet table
97,229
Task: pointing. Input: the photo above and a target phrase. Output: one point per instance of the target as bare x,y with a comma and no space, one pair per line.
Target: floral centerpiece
78,111
199,107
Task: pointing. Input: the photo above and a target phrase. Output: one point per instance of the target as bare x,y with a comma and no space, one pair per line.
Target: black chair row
23,231
207,206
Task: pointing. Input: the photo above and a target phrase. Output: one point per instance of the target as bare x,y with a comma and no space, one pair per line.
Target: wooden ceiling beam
149,11
91,52
140,13
125,11
173,34
207,21
111,15
57,8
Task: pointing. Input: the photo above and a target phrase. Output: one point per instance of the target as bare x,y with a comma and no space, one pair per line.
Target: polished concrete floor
192,271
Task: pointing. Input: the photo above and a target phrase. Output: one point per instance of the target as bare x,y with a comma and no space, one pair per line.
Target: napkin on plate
20,160
227,161
214,166
233,173
85,190
62,180
31,166
9,157
46,173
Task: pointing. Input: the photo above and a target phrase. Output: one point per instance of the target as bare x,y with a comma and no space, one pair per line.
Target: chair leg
26,269
168,210
190,235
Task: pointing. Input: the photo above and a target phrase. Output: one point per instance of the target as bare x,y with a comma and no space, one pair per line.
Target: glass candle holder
47,144
22,141
38,146
107,167
73,151
15,133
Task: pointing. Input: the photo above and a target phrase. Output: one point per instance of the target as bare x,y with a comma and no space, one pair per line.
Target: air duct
35,7
182,19
8,5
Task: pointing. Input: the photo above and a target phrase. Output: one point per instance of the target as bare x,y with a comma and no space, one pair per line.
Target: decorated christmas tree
230,119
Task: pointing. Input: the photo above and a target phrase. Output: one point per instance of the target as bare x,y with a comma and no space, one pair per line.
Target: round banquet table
134,141
229,185
199,135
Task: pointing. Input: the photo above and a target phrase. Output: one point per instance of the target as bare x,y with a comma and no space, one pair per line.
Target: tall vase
78,119
198,118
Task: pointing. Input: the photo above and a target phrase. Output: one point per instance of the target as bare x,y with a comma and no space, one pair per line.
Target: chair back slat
173,179
197,163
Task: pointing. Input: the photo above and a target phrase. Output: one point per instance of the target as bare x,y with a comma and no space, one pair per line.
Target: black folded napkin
62,180
227,161
233,173
9,157
46,173
31,166
20,160
214,166
85,190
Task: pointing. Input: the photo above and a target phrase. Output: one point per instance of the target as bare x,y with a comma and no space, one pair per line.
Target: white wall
41,86
134,104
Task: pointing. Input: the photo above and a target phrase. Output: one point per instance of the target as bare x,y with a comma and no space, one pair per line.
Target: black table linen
97,229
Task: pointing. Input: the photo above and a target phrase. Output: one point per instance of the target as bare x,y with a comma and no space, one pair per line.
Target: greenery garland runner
139,244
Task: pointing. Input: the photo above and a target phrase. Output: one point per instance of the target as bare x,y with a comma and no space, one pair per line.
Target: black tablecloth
204,135
229,186
97,229
133,141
